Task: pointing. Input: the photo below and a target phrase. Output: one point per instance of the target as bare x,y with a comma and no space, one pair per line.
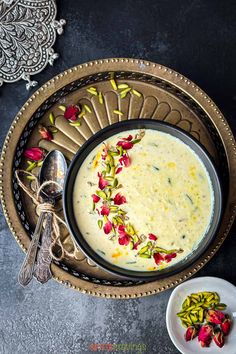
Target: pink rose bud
226,325
219,338
191,333
215,316
205,335
34,153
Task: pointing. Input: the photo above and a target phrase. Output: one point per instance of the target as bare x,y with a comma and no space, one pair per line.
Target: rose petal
119,169
219,339
129,138
105,210
152,237
34,153
124,240
158,258
191,333
205,335
107,227
135,246
215,316
45,133
71,112
102,183
121,228
96,198
119,199
126,145
225,326
170,256
73,118
125,160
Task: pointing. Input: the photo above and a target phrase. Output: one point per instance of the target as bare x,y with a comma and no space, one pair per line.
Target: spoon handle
42,270
27,268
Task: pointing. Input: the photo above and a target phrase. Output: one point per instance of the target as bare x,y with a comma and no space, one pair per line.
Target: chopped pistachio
100,98
75,124
93,92
125,91
31,166
31,178
119,113
100,223
82,113
136,93
87,108
101,194
51,118
62,108
123,86
113,84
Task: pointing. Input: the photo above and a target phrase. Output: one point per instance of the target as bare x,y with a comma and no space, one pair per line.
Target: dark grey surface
196,38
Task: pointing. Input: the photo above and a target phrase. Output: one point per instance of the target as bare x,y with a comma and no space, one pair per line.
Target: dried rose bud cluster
217,328
204,320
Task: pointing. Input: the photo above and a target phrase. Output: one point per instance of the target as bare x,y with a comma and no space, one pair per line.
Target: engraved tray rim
90,68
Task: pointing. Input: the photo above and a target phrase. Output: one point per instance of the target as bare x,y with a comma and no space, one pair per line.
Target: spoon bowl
53,169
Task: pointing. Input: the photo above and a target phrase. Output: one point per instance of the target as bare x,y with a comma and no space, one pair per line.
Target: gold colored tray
166,95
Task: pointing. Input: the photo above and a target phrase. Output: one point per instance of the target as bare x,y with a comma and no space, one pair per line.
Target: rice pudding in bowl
143,200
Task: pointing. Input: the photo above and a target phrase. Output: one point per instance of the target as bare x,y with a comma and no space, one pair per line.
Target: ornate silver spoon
53,169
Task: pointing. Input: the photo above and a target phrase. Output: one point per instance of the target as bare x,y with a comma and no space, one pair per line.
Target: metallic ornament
28,30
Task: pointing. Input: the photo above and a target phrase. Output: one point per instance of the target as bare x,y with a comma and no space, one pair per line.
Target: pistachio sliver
121,212
100,98
113,84
221,307
51,118
201,315
125,91
108,193
92,91
108,168
135,141
31,166
100,223
114,153
114,209
62,108
119,113
136,93
31,178
144,255
105,218
143,250
101,194
119,220
87,108
115,183
130,229
75,124
82,113
123,86
109,178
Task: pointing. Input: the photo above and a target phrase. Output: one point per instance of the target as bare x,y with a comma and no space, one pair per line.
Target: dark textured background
196,38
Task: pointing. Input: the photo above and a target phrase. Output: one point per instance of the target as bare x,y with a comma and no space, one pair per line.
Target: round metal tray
166,95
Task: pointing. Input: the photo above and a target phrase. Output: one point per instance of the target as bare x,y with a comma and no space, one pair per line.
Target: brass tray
166,95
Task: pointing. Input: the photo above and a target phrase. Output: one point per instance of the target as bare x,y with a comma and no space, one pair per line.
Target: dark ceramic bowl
105,134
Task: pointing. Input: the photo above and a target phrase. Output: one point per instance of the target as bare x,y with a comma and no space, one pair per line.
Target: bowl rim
105,133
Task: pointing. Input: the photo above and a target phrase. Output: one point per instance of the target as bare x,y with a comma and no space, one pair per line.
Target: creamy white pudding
155,210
